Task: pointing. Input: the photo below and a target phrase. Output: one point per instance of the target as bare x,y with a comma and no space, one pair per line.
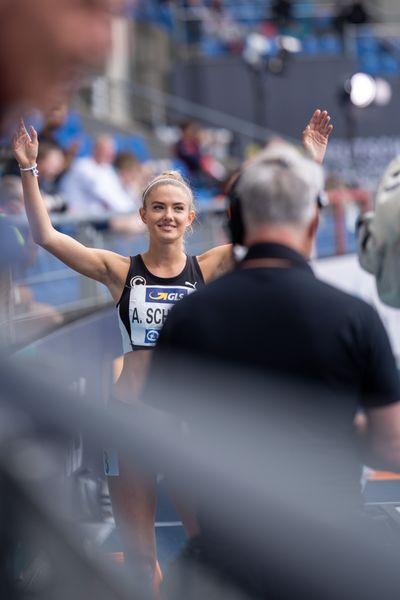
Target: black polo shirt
278,323
273,325
282,318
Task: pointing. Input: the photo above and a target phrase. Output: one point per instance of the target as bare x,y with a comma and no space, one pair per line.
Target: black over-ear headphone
235,219
235,216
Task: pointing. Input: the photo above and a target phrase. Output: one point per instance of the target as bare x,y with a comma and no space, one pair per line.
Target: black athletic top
147,299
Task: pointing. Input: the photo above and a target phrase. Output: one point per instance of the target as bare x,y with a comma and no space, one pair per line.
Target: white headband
166,180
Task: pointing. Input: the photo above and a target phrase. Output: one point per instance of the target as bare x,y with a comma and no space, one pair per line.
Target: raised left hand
316,134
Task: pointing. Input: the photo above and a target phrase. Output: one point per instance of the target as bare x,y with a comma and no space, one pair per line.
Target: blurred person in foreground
55,44
271,318
378,237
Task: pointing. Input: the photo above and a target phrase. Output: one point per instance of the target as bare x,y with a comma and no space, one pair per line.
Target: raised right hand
316,135
25,145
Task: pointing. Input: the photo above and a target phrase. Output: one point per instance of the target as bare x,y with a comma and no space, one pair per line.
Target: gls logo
165,295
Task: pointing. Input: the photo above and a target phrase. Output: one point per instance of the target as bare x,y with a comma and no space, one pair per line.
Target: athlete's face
167,213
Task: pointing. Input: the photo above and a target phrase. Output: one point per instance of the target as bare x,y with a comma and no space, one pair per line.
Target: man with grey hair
272,318
280,189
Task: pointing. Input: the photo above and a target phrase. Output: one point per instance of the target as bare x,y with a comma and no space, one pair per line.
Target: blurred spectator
30,318
354,13
218,23
92,185
11,253
203,169
193,21
11,196
357,14
132,176
282,13
54,123
51,165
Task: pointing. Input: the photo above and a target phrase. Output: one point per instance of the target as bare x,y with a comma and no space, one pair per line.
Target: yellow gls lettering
159,296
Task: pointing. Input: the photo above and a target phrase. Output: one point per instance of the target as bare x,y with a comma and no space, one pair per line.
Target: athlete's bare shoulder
216,262
118,268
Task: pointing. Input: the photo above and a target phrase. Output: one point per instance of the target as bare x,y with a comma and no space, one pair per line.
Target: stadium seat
133,143
330,43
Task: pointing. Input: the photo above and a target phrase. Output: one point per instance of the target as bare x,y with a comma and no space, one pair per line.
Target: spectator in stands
357,14
11,254
132,176
203,169
354,13
282,13
92,185
30,318
194,13
11,196
51,164
219,24
54,119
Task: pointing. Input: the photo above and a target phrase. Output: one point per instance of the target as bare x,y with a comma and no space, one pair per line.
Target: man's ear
313,225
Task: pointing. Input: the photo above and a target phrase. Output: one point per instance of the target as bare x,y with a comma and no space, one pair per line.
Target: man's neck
286,236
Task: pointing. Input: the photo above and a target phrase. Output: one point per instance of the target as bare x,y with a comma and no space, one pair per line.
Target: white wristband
33,168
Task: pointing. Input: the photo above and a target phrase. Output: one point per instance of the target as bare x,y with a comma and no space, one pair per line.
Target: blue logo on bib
165,295
151,336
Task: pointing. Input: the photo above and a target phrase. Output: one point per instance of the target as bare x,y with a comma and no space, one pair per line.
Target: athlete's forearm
38,217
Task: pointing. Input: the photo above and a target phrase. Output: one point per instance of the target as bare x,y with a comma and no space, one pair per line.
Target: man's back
283,325
287,321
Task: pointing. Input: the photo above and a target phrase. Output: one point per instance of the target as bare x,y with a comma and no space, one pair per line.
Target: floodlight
383,92
290,44
362,90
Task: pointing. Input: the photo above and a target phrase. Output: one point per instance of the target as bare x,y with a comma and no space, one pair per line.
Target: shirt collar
273,250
